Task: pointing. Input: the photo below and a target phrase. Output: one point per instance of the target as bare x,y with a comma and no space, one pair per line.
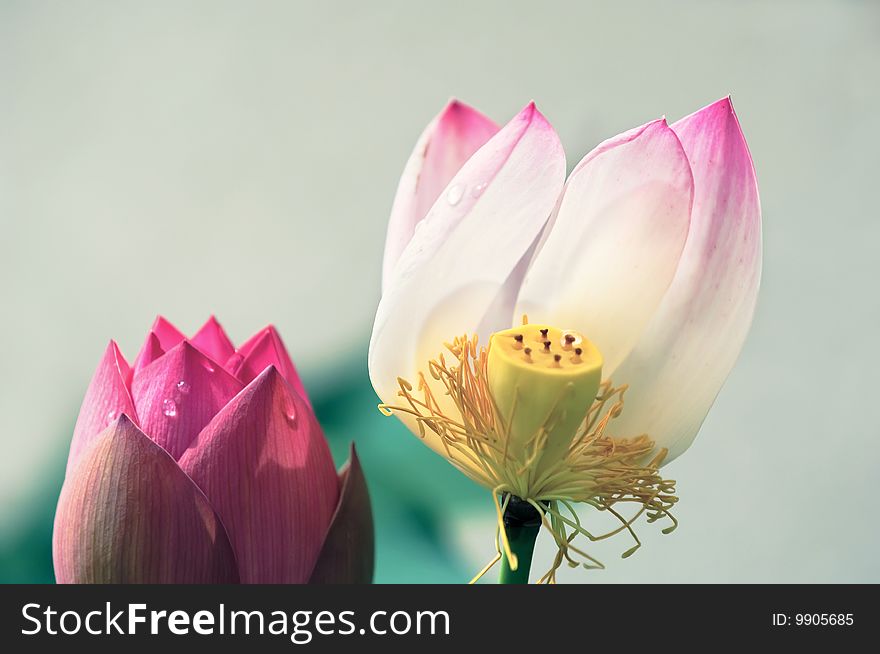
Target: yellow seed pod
543,380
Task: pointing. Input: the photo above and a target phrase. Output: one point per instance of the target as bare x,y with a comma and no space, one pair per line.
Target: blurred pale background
240,158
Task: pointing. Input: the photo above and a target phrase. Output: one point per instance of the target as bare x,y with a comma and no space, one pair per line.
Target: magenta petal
265,467
128,514
263,349
106,399
168,334
150,351
348,554
178,394
213,341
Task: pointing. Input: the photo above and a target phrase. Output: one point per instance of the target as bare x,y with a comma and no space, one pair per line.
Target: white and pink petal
612,247
692,342
457,272
448,141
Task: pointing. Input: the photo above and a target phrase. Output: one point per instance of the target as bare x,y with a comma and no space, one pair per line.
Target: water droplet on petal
183,387
169,408
111,416
455,194
479,188
290,414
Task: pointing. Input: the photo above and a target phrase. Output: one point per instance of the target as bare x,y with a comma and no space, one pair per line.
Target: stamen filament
593,467
511,557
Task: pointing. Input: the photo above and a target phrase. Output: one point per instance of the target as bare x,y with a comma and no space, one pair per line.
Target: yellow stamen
552,398
490,564
537,427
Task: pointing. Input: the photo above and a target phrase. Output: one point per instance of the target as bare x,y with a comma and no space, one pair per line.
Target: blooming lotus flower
203,463
642,268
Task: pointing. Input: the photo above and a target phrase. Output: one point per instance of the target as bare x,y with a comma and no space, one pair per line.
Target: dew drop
455,194
479,188
169,408
111,416
290,414
183,387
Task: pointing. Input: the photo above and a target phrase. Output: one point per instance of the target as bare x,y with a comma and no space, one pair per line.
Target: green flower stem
522,521
522,545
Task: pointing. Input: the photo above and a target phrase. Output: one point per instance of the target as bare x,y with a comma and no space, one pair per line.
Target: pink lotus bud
203,463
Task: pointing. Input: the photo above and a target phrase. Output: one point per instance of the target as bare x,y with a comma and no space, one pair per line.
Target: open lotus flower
642,267
203,463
